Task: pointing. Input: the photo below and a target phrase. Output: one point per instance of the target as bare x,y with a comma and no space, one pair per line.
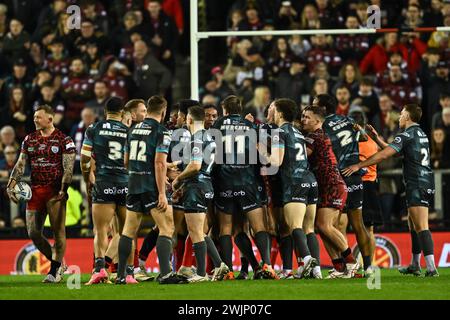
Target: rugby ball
22,191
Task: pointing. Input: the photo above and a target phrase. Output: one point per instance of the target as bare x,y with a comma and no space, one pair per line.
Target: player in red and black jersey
51,155
332,189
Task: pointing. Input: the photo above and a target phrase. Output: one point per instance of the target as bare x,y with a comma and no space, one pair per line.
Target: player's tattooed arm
68,164
18,170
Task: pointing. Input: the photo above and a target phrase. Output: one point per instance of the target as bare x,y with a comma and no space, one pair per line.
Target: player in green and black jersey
146,154
236,159
413,144
345,136
105,143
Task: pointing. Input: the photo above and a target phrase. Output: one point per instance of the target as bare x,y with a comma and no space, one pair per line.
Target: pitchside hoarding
393,249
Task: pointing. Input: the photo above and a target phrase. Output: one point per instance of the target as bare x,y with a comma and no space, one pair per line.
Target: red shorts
40,196
333,196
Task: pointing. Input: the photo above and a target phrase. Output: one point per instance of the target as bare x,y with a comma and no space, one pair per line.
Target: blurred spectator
260,101
94,11
438,83
48,97
163,34
320,87
150,76
352,47
343,98
234,21
444,103
19,115
349,76
245,92
92,59
87,35
210,99
123,46
48,18
413,18
117,77
299,45
322,51
7,138
309,18
16,42
367,98
88,117
329,18
286,16
19,77
433,14
386,120
437,147
57,62
375,61
97,104
402,91
415,48
3,23
251,21
252,65
441,39
76,90
218,86
43,77
293,83
7,163
280,60
174,10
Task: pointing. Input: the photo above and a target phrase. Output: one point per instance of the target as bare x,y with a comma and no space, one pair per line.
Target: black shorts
371,205
313,195
262,193
142,202
238,199
354,192
197,196
419,197
109,193
296,190
276,192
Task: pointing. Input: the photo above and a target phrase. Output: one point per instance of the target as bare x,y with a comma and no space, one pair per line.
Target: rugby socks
179,251
286,252
125,245
54,266
212,252
367,261
188,254
427,244
130,270
148,245
99,264
226,246
416,249
244,264
313,246
244,244
274,250
339,264
348,256
136,258
163,250
200,257
300,243
108,262
262,240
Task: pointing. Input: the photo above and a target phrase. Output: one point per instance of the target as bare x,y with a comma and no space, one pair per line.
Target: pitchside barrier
392,250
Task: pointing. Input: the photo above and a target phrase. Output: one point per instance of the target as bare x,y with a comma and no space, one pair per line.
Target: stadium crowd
136,48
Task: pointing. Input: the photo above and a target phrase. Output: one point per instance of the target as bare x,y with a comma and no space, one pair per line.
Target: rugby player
345,135
235,183
413,144
146,154
51,155
197,188
105,142
332,189
289,154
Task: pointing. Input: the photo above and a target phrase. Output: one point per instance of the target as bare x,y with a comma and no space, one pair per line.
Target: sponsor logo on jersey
70,145
55,149
398,140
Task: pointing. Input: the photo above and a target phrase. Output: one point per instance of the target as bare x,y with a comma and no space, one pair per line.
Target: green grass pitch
393,286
